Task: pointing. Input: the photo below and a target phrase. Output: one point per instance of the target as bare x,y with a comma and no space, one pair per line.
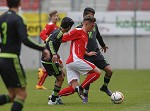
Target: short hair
66,22
87,10
13,3
89,18
53,13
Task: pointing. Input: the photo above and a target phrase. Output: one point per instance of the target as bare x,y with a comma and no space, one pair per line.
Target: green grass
134,84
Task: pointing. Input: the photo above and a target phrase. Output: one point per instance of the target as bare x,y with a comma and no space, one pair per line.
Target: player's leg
14,78
19,100
92,76
107,77
7,98
104,65
57,87
42,75
73,81
93,73
87,67
54,69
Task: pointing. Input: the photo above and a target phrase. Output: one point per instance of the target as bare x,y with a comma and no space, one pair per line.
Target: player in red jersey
50,26
76,64
42,74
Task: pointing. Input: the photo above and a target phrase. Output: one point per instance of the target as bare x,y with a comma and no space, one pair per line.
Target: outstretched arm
100,40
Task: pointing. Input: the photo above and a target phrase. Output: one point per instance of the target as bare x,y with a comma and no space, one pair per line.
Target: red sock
42,79
89,79
66,91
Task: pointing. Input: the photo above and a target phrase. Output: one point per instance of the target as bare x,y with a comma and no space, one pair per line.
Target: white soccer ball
117,97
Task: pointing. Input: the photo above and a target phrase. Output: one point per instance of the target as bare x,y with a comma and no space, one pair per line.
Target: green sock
4,99
17,105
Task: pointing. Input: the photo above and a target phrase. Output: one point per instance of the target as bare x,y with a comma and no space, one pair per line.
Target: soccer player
52,66
97,59
13,32
42,74
76,64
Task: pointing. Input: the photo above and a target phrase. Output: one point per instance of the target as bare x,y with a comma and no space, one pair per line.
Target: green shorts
12,71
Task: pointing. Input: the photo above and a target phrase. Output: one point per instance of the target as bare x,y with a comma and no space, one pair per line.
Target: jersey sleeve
51,47
99,37
70,36
46,31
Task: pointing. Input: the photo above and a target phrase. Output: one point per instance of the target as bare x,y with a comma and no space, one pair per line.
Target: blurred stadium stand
78,5
2,2
127,5
121,32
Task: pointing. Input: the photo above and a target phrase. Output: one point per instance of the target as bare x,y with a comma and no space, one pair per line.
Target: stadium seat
132,5
145,5
26,6
35,4
2,2
112,5
123,5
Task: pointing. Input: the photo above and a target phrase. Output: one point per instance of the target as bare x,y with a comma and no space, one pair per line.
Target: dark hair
87,10
89,18
66,22
13,3
53,13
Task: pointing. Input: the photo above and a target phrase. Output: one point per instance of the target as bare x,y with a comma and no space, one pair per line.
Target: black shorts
12,71
101,64
52,68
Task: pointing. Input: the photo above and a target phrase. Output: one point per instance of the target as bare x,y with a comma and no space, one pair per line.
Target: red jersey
47,30
79,41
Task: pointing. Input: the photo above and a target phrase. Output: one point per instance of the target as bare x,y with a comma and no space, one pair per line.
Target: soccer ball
117,97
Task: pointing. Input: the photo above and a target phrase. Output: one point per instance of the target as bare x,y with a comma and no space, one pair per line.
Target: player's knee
12,97
22,95
109,72
97,70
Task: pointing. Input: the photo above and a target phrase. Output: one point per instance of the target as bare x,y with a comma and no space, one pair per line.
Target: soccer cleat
79,90
85,100
106,90
50,102
40,87
59,101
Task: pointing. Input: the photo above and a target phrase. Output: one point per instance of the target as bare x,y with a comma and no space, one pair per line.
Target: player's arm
90,53
100,39
53,51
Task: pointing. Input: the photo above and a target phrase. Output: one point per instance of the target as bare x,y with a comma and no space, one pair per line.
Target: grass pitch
134,84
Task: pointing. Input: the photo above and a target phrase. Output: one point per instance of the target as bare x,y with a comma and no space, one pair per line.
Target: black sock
106,80
4,99
55,93
86,90
17,105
